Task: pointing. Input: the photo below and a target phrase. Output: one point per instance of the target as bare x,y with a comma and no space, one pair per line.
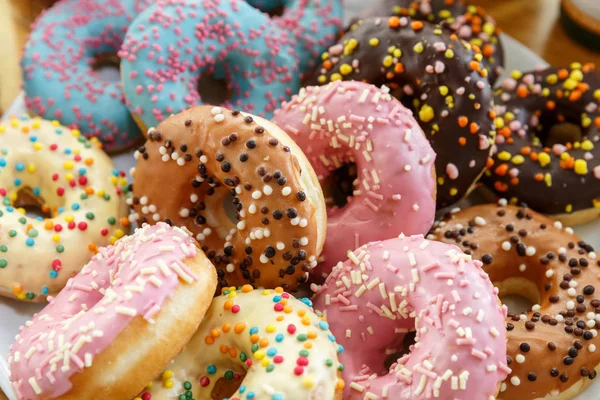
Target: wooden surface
532,22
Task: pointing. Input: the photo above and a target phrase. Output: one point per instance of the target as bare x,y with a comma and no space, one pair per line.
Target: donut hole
34,205
338,187
518,294
562,133
269,7
107,67
229,206
409,340
213,89
225,388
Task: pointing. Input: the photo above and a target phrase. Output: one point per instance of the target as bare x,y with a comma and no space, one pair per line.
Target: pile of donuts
283,245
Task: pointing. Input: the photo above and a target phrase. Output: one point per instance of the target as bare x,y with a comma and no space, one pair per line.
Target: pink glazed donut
387,289
118,322
394,189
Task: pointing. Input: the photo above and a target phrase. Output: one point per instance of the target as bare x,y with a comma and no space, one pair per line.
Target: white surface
13,313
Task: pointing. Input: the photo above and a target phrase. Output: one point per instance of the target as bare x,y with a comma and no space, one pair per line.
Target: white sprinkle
515,380
34,385
480,316
480,221
126,311
286,191
412,259
186,278
257,194
592,348
166,249
216,110
570,305
415,275
520,358
530,251
506,246
549,273
230,268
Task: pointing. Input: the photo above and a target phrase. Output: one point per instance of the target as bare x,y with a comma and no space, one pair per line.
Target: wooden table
532,22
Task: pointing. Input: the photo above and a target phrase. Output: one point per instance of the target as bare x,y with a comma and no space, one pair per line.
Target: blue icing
260,61
59,81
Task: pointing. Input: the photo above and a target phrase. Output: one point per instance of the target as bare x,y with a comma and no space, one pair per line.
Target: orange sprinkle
399,68
389,75
575,95
48,225
228,305
215,333
474,66
514,181
550,105
502,169
416,25
327,65
247,288
45,208
93,248
226,328
492,114
17,288
302,312
525,150
254,338
489,163
232,353
504,132
264,342
539,177
312,335
209,340
488,50
89,161
534,156
89,190
597,122
462,140
473,128
454,37
280,318
563,73
463,121
288,309
522,91
500,186
239,327
224,349
394,22
308,345
560,94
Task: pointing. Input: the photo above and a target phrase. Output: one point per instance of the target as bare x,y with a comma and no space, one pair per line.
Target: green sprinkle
3,248
83,196
304,353
182,397
32,233
106,197
30,295
12,233
254,347
270,367
329,362
60,248
302,337
187,385
3,263
229,375
23,220
341,367
112,220
89,216
243,356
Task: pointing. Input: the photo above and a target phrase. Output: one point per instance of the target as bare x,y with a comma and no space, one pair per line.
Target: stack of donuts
288,227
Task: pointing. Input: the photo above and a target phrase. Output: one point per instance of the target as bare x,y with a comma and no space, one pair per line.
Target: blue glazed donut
175,43
60,81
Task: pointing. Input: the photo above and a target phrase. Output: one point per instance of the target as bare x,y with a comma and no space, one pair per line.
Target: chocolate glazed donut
437,75
552,348
548,144
471,23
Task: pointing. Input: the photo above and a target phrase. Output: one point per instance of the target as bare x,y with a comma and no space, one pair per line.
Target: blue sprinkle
279,338
306,301
39,218
331,337
277,396
340,349
29,242
75,206
82,171
68,151
242,389
17,182
24,117
276,299
20,167
37,191
61,210
10,209
59,131
115,172
2,162
253,330
250,395
53,274
44,289
211,369
33,138
271,352
323,325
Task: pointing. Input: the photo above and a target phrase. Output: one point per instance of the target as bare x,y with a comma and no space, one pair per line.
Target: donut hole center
563,133
518,294
230,208
339,185
213,89
409,340
269,7
225,388
34,205
107,67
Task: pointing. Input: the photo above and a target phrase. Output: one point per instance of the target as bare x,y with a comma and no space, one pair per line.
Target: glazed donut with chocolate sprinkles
255,344
552,348
66,45
386,290
470,22
355,122
196,161
442,79
548,144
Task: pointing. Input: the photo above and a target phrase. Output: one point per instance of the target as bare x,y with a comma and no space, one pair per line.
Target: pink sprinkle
478,354
452,171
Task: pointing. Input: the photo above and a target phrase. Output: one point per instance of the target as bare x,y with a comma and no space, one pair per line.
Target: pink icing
389,288
133,277
355,121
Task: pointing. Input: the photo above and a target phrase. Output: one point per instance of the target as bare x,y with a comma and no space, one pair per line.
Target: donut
386,290
205,160
548,123
469,22
77,194
552,346
255,344
66,45
175,44
439,76
355,122
118,322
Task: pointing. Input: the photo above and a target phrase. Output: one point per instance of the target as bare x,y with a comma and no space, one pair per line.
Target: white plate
13,313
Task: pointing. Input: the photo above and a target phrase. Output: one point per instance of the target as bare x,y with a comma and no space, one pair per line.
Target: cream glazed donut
255,344
118,322
394,190
387,289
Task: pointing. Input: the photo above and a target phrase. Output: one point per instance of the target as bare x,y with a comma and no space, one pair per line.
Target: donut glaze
77,190
60,81
439,75
532,163
394,192
82,344
469,22
268,339
552,347
175,43
387,289
195,161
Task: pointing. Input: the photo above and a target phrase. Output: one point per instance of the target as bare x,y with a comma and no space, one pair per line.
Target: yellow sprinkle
449,53
55,123
443,90
453,191
324,56
265,362
397,53
552,79
418,48
100,193
38,146
388,61
259,354
374,42
322,79
335,77
596,203
437,31
576,75
231,295
167,374
14,123
75,132
441,180
597,94
168,384
271,328
509,116
581,167
69,218
2,128
69,165
570,84
587,145
426,113
308,382
585,121
266,292
21,296
350,46
518,159
548,179
544,159
391,49
488,28
569,208
345,69
545,92
516,74
504,155
56,238
445,14
119,233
